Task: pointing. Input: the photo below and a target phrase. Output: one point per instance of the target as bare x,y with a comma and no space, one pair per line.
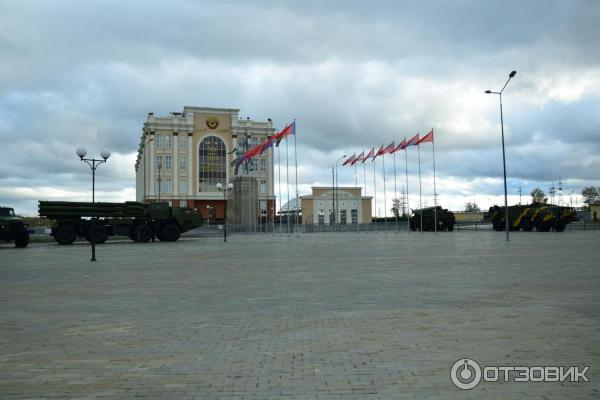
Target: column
191,167
151,165
175,152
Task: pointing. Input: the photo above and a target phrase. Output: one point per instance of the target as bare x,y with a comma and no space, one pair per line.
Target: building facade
350,206
182,157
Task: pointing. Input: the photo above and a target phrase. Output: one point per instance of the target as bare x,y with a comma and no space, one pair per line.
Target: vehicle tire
22,240
498,225
96,234
541,227
142,233
560,227
526,226
170,232
64,234
450,227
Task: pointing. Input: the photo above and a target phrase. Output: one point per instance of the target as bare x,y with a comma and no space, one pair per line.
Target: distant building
595,212
182,157
468,216
351,207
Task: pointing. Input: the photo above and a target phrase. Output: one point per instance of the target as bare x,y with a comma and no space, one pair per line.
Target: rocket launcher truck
96,221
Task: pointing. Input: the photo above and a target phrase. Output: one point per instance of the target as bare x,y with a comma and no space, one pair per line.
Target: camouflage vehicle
542,217
444,218
141,222
12,228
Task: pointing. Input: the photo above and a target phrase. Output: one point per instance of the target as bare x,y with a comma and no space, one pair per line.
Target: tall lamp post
335,195
506,223
93,163
225,190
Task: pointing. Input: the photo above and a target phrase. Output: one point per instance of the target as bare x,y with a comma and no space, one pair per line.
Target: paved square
327,316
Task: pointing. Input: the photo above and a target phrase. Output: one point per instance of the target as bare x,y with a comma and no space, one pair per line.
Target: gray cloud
353,74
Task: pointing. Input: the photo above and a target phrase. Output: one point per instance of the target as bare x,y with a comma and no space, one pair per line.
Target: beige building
351,207
182,156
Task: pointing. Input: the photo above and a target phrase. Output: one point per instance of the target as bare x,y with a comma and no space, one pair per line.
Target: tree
591,194
538,196
472,207
397,208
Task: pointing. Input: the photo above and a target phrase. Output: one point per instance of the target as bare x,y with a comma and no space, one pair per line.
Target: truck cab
12,228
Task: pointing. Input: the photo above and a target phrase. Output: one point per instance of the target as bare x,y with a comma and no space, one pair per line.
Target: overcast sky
353,74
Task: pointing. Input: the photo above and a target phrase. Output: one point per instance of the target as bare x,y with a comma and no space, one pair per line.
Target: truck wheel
560,227
450,227
142,233
96,234
526,226
541,227
498,226
64,234
170,232
22,241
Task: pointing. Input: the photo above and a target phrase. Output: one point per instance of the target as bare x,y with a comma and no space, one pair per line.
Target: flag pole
434,190
355,177
280,198
407,201
396,193
420,204
384,196
287,182
296,179
374,189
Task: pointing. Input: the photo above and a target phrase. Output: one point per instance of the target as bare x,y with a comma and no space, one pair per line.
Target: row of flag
260,148
390,149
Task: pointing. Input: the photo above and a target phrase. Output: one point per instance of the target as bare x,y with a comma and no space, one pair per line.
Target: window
182,203
263,207
159,188
354,214
212,160
159,162
168,184
321,217
168,140
263,165
182,184
263,186
183,143
167,162
331,217
343,216
255,140
182,162
158,142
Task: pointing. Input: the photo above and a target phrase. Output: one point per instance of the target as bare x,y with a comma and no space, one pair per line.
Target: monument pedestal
242,203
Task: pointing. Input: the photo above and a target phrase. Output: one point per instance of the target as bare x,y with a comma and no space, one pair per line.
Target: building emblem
212,122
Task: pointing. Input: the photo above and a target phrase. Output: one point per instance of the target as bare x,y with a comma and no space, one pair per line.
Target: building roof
293,205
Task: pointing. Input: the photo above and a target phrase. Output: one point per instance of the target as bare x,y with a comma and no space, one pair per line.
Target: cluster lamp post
225,190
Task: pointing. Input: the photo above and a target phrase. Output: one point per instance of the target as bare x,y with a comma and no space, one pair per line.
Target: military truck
12,228
542,217
445,219
95,222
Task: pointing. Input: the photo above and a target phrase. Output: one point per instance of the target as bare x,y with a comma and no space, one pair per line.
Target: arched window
212,164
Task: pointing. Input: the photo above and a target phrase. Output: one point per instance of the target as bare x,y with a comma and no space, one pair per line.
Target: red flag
359,158
266,145
427,138
401,146
252,152
390,149
348,161
379,153
413,141
369,155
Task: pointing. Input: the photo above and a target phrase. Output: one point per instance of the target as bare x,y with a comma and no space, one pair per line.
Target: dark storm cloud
354,74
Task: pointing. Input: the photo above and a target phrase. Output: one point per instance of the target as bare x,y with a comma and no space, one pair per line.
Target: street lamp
335,195
225,191
93,163
510,76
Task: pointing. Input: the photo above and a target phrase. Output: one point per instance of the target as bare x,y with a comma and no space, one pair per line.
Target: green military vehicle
542,217
95,222
444,218
12,228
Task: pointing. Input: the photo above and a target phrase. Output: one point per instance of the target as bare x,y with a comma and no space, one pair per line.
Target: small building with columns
349,204
182,156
